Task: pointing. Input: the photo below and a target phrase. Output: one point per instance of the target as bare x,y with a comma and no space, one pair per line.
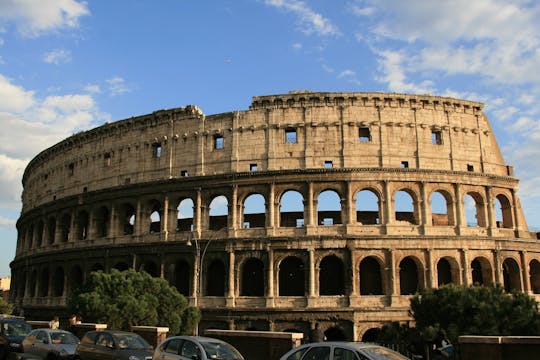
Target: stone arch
410,276
335,334
406,206
184,217
331,276
254,211
252,278
370,276
150,267
39,234
511,275
182,277
447,271
82,225
219,213
51,230
128,219
329,208
75,278
474,206
30,237
43,286
291,210
58,282
441,205
215,278
21,285
371,335
534,272
481,271
503,212
292,277
65,227
368,205
32,284
102,221
156,213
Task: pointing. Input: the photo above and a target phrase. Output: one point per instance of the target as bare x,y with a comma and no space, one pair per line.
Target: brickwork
114,196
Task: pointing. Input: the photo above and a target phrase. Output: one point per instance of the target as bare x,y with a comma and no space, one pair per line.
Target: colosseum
308,207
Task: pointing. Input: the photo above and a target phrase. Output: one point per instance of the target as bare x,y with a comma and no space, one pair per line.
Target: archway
328,208
408,277
291,277
367,208
215,278
252,280
219,211
254,212
370,277
331,276
511,275
291,209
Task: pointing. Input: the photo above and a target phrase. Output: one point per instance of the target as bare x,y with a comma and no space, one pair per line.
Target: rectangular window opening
252,167
156,150
184,173
328,164
246,225
404,164
328,221
218,142
436,137
290,136
107,158
71,168
470,167
364,134
299,222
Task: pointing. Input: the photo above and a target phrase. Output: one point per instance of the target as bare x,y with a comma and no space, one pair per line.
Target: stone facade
330,242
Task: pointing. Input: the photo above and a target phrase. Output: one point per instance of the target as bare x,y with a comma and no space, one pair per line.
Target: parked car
49,344
196,348
341,351
12,332
109,345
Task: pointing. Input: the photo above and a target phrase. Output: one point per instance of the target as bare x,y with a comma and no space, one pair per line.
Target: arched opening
291,212
215,279
367,208
474,210
534,266
219,211
405,209
30,237
329,208
102,220
444,272
39,234
371,335
121,266
65,226
254,212
291,277
75,278
51,230
408,277
155,217
503,212
82,225
441,209
184,220
151,268
21,286
128,219
44,283
481,272
331,276
182,276
511,275
32,284
335,334
252,280
58,282
370,277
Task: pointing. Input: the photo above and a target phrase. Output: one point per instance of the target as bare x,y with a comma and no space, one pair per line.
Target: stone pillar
391,277
138,230
525,279
57,229
350,205
271,210
198,214
231,293
270,279
309,207
458,201
431,278
73,227
165,219
423,204
232,217
497,267
490,213
515,212
388,206
466,276
312,273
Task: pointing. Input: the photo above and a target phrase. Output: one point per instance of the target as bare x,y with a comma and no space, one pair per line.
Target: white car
341,351
49,344
196,348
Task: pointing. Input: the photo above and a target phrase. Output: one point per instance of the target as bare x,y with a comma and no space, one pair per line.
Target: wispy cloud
117,86
310,22
57,56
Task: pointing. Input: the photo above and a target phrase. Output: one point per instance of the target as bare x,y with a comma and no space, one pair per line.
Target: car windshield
132,342
16,328
64,338
382,353
220,351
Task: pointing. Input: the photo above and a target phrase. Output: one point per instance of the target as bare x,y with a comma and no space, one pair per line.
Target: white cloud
93,88
350,76
393,73
117,86
310,21
14,98
6,222
33,19
57,56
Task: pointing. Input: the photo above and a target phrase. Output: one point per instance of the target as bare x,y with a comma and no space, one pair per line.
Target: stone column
231,291
515,212
391,278
458,201
526,281
309,207
57,229
498,267
466,275
139,223
271,210
431,279
197,214
270,279
490,213
388,206
350,205
423,203
233,210
312,273
112,226
73,227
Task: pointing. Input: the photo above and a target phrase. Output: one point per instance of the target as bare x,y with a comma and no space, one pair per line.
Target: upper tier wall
283,132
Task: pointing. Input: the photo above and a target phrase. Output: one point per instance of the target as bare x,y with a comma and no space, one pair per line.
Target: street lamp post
198,262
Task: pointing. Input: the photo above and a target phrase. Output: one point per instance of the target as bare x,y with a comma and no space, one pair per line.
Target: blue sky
68,65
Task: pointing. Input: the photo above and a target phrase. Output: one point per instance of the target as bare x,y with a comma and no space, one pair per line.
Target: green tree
5,307
122,299
475,310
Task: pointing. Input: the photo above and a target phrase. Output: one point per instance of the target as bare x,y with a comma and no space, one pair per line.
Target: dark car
50,344
195,348
341,351
109,345
12,332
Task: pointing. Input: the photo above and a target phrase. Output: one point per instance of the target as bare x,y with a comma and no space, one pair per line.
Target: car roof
345,344
51,330
195,338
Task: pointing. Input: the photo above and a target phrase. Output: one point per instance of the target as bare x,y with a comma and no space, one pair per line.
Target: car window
67,338
297,355
16,328
317,353
41,336
382,353
344,354
220,350
132,342
104,340
172,346
190,350
89,337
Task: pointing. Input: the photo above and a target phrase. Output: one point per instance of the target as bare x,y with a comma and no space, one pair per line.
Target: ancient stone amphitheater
308,207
